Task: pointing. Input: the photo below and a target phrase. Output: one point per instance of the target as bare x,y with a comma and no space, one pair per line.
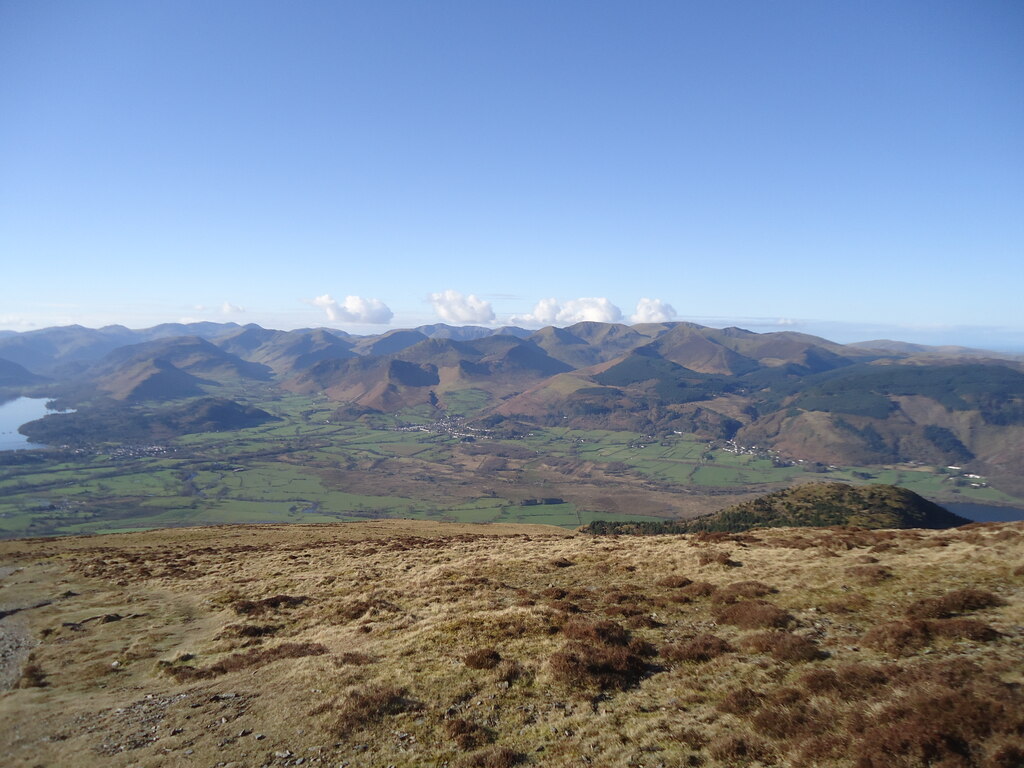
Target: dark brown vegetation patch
741,590
958,601
743,749
597,632
356,609
939,725
740,701
482,658
699,589
870,574
904,637
784,646
849,681
32,676
370,705
753,614
599,655
467,734
355,658
249,631
718,557
851,602
267,604
675,581
699,648
492,757
237,661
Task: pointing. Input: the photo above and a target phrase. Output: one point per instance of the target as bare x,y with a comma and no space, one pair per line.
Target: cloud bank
653,311
453,307
355,309
555,312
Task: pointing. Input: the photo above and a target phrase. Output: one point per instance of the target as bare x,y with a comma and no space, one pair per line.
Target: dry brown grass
399,607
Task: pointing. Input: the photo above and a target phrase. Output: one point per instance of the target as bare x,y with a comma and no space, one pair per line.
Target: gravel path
15,640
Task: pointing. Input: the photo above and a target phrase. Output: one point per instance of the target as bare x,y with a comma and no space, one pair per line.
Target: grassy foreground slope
413,643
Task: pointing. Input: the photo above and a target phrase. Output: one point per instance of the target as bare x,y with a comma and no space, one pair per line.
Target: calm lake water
985,513
13,414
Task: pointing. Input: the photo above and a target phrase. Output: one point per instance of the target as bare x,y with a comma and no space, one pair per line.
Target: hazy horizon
996,340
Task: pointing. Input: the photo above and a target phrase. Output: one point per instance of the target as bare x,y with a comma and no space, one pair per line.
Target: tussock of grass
492,757
250,631
740,701
675,581
482,658
741,590
266,605
958,601
905,637
251,658
784,646
32,676
870,574
467,734
600,655
699,648
364,707
753,614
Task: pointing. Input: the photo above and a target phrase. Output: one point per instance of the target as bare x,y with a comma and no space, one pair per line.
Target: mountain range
801,396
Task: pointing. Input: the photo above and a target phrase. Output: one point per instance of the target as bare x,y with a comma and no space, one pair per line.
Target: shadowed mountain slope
14,375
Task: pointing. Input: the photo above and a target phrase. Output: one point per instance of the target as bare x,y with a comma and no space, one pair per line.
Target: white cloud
785,321
227,308
553,312
355,309
17,323
653,311
453,307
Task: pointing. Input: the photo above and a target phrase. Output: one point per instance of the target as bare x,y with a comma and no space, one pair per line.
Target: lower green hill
817,504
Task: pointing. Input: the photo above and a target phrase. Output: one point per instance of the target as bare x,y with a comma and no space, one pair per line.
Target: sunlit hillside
399,643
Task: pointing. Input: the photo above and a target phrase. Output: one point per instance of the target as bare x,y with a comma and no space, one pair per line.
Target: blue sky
854,169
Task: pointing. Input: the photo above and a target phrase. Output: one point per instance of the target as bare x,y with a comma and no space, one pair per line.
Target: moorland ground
412,643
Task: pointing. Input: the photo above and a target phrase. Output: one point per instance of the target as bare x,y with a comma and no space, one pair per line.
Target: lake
984,513
13,414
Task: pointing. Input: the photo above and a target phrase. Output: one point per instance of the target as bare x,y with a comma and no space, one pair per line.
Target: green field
299,469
